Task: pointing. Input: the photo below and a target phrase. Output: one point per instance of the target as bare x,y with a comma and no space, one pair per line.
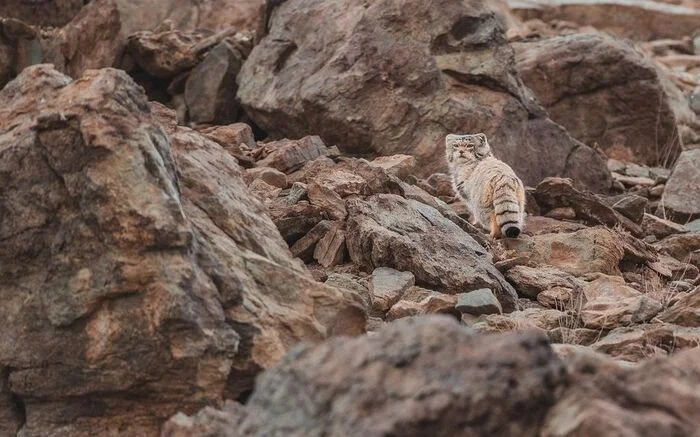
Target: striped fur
489,187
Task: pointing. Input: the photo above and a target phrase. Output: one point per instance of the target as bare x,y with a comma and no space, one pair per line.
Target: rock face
603,91
387,230
396,77
681,199
43,13
416,377
635,19
126,278
659,398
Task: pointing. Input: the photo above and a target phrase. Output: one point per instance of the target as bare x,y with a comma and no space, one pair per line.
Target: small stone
558,298
636,170
478,302
693,226
387,286
297,192
264,190
661,228
629,205
328,200
398,165
681,198
304,247
660,174
616,166
631,181
680,285
235,138
269,175
563,213
441,185
290,155
657,191
330,250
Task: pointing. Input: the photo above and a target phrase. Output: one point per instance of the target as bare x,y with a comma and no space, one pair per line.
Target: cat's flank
490,189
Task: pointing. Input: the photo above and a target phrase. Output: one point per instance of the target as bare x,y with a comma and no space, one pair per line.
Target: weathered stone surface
331,248
537,319
685,311
538,225
327,200
210,90
657,398
270,175
632,119
642,342
295,221
530,281
46,13
416,377
609,303
558,298
661,228
591,250
681,199
398,165
386,78
125,284
166,53
290,155
629,205
683,247
389,231
652,19
387,286
478,302
426,302
235,138
304,247
558,193
207,422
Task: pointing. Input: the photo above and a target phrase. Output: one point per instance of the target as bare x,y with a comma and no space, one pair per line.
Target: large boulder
392,76
387,230
632,121
635,19
660,398
41,13
416,377
124,284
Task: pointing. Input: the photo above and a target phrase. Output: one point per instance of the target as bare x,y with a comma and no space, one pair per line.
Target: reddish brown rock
330,249
147,278
652,19
655,399
398,165
290,155
641,342
425,376
685,311
632,119
530,281
591,250
609,303
402,76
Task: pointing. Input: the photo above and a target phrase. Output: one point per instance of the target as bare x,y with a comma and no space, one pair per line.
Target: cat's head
464,149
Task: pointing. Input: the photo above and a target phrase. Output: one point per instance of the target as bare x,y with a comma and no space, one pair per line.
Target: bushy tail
508,203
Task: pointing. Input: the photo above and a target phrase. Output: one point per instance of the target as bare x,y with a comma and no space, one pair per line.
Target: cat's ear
482,149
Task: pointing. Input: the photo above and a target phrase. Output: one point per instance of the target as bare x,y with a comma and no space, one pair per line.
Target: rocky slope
231,218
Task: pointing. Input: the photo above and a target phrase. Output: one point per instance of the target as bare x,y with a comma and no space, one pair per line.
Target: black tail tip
512,232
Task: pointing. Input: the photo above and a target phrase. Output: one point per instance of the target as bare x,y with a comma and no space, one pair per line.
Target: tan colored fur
488,186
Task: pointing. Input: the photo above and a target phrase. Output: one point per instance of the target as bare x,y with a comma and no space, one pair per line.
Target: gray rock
210,91
386,230
387,286
478,302
681,199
